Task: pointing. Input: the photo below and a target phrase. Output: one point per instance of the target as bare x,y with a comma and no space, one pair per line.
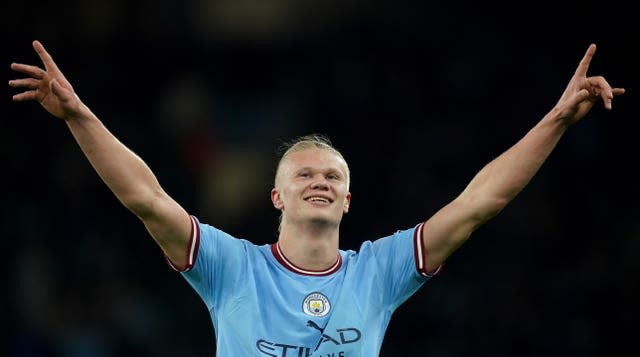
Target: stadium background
417,95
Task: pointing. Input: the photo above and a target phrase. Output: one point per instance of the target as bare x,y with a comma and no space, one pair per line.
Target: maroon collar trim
277,253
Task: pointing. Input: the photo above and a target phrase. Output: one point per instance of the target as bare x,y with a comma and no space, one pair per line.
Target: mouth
319,200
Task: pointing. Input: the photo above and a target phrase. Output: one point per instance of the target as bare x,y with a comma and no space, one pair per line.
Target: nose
320,183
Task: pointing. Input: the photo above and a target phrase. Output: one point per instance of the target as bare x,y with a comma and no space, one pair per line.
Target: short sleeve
217,265
399,259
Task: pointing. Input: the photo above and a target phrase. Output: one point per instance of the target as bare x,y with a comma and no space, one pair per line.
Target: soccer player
303,295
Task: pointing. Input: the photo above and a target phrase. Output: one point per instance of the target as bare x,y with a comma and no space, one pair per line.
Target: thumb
578,97
571,103
59,91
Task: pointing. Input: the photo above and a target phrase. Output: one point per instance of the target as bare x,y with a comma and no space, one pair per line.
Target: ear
276,199
347,202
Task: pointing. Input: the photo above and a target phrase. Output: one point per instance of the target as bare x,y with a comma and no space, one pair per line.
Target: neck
309,247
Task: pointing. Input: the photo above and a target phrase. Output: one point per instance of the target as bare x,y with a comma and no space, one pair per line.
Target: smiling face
312,186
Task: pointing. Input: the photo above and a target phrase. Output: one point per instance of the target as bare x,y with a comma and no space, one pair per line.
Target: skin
124,172
312,194
499,182
310,230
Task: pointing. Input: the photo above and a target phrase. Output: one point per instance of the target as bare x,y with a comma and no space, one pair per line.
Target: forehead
314,158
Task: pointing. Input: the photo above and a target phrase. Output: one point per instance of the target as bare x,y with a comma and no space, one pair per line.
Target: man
302,295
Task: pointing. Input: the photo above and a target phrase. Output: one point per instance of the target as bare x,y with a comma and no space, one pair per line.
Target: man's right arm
124,172
134,184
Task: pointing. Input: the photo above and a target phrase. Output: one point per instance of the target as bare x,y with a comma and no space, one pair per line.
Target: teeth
318,199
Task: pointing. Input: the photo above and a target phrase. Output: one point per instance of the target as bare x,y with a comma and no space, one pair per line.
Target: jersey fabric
261,304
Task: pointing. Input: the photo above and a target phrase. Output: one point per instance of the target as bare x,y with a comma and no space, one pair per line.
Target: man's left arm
500,181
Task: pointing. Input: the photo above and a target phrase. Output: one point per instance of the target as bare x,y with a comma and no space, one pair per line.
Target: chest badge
316,304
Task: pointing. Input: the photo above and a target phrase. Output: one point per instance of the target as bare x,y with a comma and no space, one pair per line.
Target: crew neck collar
282,259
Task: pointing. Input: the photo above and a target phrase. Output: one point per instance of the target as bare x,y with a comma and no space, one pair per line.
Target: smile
318,199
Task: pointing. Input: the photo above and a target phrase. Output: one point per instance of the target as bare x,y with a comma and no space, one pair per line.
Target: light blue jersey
263,305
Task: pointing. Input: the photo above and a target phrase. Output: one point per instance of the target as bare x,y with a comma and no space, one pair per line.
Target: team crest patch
316,304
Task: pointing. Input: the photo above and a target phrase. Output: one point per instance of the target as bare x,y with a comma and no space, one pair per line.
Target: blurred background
417,95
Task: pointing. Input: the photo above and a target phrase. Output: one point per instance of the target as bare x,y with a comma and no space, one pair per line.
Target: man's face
311,186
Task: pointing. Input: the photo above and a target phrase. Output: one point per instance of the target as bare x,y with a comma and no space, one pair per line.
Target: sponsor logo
337,339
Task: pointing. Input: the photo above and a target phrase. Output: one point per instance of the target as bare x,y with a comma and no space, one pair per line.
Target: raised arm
496,184
126,174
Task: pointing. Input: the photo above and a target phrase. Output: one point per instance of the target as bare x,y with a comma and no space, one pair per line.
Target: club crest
316,304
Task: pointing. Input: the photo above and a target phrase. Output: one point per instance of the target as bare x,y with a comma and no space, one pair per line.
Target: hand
583,92
48,86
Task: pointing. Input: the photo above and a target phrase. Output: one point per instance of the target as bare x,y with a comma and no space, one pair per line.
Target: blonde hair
318,141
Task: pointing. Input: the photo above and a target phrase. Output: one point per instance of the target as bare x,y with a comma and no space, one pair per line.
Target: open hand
48,86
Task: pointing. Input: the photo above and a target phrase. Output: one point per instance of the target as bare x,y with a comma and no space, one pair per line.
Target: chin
323,221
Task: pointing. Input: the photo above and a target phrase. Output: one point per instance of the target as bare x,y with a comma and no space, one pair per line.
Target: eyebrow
330,169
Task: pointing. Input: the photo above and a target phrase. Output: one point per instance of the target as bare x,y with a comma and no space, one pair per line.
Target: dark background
417,95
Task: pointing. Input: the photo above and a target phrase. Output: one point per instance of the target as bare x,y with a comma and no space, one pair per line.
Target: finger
24,96
33,71
617,91
45,57
30,83
601,88
581,71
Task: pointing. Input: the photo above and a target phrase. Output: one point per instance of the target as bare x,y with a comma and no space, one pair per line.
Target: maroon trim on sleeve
192,252
419,254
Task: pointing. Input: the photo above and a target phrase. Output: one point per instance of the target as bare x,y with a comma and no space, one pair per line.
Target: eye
333,177
303,174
